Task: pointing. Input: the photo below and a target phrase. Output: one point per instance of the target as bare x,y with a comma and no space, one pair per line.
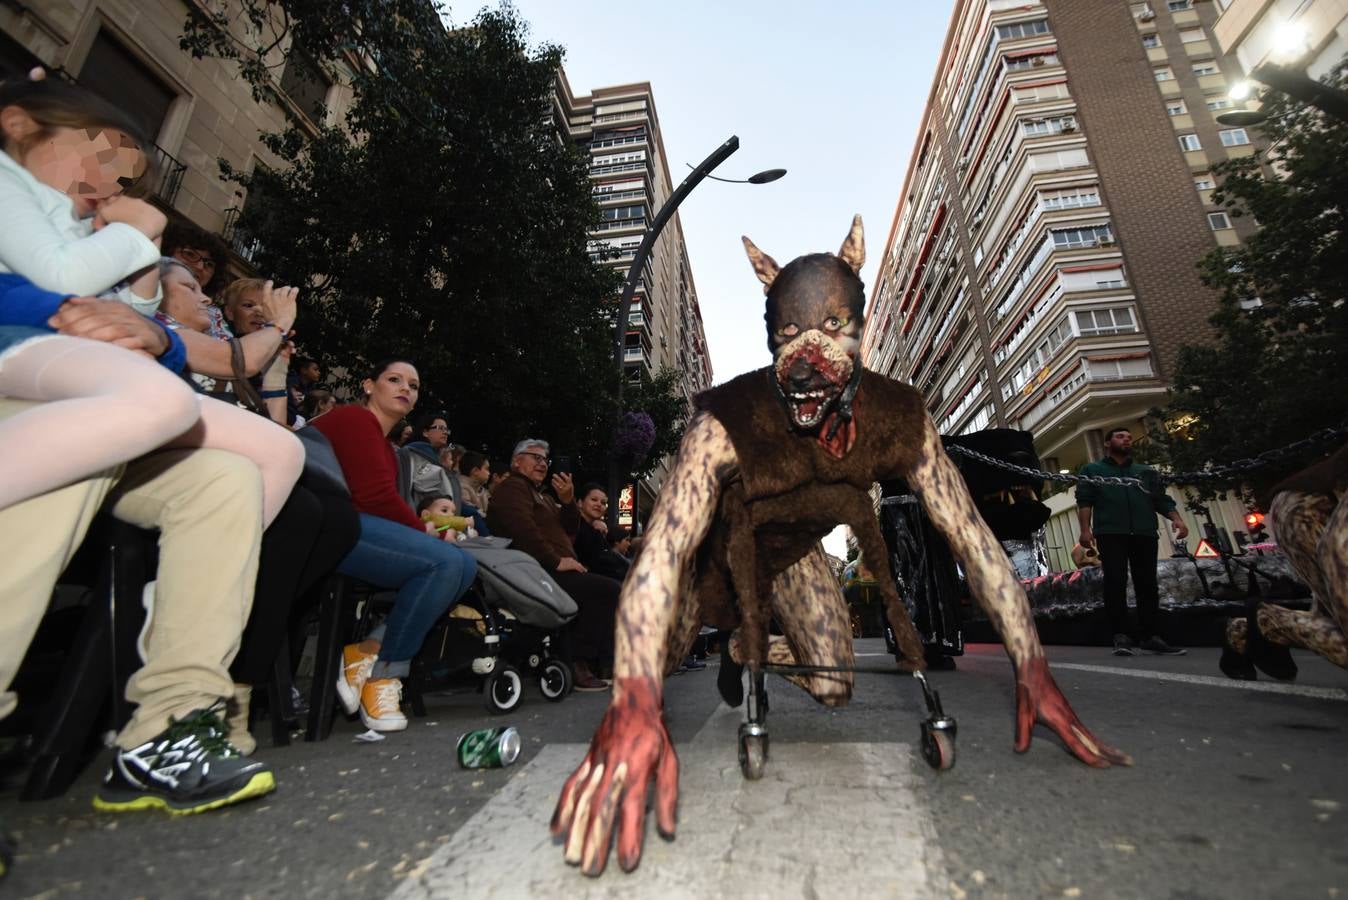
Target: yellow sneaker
381,705
355,672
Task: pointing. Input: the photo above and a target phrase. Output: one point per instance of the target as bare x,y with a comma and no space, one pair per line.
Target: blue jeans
428,573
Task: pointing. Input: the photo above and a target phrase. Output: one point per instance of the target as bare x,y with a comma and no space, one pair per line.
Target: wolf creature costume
769,464
1309,518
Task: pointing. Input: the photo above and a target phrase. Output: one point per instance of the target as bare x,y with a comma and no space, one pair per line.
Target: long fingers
600,833
566,803
667,792
631,825
575,836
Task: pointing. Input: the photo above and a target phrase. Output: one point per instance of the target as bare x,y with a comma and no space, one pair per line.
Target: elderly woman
316,526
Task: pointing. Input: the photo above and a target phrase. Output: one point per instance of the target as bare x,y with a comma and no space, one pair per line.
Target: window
1218,221
1109,370
1175,108
115,74
1192,35
1206,67
306,84
1117,320
1204,182
1031,127
1189,142
1219,103
1022,29
1234,137
1163,74
1177,5
1151,41
1070,198
1076,238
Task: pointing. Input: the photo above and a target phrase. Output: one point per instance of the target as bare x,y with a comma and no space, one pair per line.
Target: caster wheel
938,748
503,689
753,755
555,680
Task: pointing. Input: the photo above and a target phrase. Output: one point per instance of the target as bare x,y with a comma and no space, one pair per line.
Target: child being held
439,511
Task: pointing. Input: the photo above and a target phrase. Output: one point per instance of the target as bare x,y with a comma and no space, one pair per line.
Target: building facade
1040,271
1311,34
196,111
619,128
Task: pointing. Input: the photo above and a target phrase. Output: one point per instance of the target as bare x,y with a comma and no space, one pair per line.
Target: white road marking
826,820
1268,687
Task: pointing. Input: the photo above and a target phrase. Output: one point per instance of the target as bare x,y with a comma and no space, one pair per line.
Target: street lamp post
638,265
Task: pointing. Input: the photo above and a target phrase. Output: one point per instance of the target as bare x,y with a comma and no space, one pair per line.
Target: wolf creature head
815,311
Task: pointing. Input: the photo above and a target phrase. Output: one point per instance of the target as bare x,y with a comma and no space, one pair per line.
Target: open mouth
808,408
812,373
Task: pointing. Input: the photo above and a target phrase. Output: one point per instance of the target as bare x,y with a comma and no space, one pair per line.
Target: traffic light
1254,523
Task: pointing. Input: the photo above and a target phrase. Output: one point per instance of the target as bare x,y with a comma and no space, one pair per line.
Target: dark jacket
594,553
1124,509
533,521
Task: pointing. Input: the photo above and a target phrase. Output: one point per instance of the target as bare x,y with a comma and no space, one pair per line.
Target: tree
442,220
1278,370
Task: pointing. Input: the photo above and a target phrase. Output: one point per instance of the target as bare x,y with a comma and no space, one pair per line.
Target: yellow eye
833,323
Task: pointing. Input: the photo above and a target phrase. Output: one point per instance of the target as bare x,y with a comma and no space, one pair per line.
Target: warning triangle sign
1206,551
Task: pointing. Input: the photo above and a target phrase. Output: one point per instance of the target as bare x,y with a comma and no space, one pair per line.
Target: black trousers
309,537
591,631
1118,554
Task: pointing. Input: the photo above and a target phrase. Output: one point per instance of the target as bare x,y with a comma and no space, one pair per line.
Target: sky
831,92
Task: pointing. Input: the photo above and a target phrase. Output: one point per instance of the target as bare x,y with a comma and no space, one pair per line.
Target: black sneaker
1123,645
693,664
1155,644
189,768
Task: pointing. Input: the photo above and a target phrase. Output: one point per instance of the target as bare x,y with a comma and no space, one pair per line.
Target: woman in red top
396,549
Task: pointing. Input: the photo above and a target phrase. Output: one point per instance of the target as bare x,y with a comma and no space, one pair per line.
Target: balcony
170,173
237,239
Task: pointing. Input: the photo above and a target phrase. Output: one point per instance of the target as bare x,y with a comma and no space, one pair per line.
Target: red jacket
368,462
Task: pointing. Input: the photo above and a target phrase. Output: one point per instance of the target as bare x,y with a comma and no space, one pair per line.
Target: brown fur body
734,539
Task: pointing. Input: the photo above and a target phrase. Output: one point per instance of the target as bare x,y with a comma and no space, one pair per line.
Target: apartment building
1040,270
620,129
1309,34
196,111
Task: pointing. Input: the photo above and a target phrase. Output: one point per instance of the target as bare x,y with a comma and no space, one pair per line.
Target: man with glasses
543,528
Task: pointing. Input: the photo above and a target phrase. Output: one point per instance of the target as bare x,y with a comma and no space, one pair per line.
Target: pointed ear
765,267
853,250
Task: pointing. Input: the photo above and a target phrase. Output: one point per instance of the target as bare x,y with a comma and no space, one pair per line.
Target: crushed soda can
489,748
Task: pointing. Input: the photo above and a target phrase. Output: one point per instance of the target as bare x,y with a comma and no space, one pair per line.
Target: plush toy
770,463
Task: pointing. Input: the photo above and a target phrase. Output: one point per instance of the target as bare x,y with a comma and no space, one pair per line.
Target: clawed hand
609,789
1038,699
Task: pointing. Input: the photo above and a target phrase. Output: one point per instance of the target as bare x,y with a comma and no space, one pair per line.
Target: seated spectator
473,475
396,549
319,400
420,460
244,304
542,527
591,540
207,505
620,541
450,456
402,433
204,254
500,471
305,375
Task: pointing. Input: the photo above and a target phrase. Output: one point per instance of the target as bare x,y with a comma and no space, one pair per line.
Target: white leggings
105,405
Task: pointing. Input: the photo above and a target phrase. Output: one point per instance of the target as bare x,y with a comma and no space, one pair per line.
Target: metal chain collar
1215,473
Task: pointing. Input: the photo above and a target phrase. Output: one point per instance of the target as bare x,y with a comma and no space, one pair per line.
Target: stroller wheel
503,689
938,747
555,680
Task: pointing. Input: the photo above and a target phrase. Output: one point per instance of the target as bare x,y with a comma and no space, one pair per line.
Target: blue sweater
25,304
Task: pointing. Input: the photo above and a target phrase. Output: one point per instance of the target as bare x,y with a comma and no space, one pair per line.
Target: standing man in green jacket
1120,521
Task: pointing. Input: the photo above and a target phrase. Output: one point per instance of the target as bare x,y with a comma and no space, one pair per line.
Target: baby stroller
504,630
